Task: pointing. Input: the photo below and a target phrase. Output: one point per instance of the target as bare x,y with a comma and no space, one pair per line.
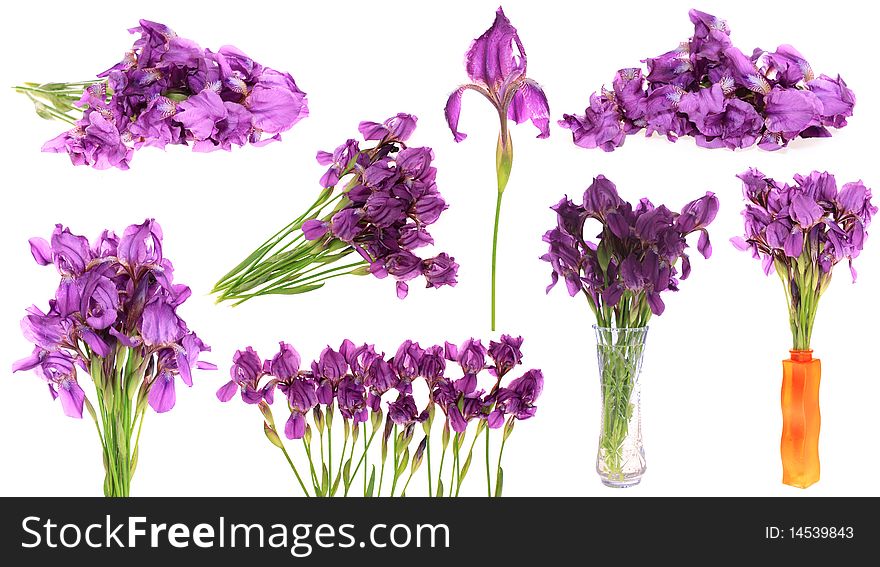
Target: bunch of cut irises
375,399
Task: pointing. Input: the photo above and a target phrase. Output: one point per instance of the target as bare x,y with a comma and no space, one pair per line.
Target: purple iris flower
518,398
399,127
640,250
351,397
496,65
506,354
246,371
116,300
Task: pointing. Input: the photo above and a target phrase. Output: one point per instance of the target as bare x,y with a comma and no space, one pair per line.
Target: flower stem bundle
370,216
369,400
114,317
640,254
802,231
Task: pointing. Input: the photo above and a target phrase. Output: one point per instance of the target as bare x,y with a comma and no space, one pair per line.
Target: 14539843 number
824,532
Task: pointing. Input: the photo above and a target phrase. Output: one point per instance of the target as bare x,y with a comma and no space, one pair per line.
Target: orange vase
800,419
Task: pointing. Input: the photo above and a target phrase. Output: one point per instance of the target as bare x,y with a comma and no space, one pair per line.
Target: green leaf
325,480
346,473
465,467
603,255
401,466
335,486
499,482
291,290
134,463
372,484
439,488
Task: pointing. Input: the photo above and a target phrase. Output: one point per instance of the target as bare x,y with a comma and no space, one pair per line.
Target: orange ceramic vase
800,419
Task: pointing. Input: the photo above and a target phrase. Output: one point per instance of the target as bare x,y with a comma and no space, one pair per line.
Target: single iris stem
428,451
295,472
495,252
488,478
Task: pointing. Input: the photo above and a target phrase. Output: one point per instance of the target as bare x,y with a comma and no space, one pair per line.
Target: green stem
440,470
500,454
363,459
315,482
495,252
428,451
488,478
295,472
394,474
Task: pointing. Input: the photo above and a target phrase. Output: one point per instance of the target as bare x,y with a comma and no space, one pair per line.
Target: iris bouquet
709,89
114,318
802,231
168,90
496,66
640,254
371,215
375,395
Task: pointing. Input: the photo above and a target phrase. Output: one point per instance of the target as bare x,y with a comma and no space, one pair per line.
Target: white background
712,372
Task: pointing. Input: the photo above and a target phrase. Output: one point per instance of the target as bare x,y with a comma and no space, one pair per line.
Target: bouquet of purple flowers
709,89
802,231
640,254
371,215
115,318
373,393
168,90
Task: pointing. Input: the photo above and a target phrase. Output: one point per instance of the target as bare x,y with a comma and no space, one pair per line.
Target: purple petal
496,419
453,111
184,368
402,290
656,303
497,57
791,110
530,103
295,427
72,398
202,365
276,109
200,114
703,244
30,362
95,342
739,243
41,251
130,342
805,210
162,396
227,391
315,229
794,243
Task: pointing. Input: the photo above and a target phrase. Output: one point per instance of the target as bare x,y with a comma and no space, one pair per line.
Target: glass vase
621,458
800,419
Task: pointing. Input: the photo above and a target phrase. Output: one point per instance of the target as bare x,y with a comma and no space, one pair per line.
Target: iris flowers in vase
496,66
393,398
640,254
371,214
114,318
168,90
802,231
708,89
